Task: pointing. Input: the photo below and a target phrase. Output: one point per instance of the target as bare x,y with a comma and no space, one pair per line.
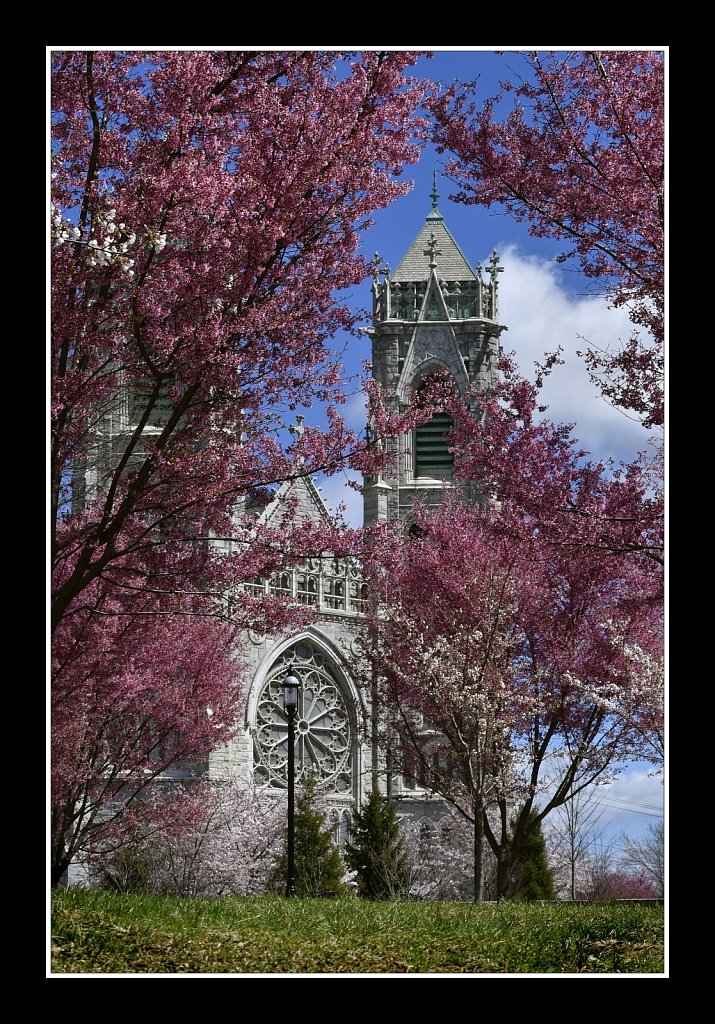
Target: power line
629,810
626,800
624,803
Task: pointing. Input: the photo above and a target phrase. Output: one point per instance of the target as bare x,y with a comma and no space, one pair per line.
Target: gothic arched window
323,732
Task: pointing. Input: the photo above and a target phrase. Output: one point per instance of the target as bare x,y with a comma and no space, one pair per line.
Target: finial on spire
494,267
297,428
434,214
434,193
432,251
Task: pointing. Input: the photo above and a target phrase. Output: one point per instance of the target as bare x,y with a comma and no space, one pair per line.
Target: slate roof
452,264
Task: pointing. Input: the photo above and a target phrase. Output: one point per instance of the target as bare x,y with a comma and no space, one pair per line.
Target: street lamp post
291,686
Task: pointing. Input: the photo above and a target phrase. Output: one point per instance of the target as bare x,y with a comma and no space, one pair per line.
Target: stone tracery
323,728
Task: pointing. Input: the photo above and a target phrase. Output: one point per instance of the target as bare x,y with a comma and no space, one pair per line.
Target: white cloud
541,315
335,490
354,412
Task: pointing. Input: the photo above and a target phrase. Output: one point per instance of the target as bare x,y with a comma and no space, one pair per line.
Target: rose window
322,723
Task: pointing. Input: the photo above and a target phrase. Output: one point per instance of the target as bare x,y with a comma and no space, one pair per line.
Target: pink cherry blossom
207,207
580,157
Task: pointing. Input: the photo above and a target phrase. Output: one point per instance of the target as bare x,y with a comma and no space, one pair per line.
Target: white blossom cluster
639,700
109,241
154,239
441,857
60,229
231,847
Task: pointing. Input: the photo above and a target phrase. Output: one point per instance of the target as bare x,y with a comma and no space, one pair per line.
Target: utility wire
628,810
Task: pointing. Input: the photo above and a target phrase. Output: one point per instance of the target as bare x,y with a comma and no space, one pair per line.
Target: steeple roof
452,264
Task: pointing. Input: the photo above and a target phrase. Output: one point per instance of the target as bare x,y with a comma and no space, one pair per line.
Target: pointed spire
434,193
421,258
434,213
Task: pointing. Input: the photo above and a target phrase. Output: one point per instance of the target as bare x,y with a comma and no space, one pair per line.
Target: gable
432,347
296,499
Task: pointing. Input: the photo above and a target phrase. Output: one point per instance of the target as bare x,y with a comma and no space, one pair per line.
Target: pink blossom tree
441,644
206,209
485,635
215,202
134,695
541,483
533,468
579,155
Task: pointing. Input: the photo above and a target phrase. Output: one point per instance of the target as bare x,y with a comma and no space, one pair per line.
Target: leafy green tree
376,851
531,877
318,864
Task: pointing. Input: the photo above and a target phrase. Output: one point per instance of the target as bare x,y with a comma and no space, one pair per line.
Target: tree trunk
573,879
502,875
478,852
57,871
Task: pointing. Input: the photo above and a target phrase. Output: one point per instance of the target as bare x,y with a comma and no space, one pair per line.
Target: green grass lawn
107,933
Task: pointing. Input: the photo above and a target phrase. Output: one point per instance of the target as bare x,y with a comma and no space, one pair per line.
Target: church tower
434,314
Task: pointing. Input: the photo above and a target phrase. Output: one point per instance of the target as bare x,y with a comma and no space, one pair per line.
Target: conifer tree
318,864
531,877
376,851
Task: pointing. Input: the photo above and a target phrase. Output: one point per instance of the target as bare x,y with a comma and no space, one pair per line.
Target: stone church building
434,313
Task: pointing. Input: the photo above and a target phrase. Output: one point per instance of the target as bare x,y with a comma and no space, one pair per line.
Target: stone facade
435,313
331,722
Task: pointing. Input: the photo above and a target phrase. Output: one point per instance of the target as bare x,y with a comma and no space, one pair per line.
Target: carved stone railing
329,584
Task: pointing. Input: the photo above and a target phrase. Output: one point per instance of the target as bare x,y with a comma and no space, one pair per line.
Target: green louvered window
432,455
